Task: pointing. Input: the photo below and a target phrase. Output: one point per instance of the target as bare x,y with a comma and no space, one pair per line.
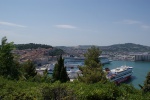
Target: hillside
116,48
31,46
36,51
127,47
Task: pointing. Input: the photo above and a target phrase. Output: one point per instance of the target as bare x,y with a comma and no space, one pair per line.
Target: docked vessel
103,60
72,65
120,74
72,69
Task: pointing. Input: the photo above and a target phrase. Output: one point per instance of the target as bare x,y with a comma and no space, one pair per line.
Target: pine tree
146,87
59,72
60,65
8,67
63,75
92,71
92,54
55,72
29,69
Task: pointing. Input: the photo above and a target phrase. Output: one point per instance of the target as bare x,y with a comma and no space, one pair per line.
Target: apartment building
142,57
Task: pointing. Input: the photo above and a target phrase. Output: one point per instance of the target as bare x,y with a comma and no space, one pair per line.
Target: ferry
120,74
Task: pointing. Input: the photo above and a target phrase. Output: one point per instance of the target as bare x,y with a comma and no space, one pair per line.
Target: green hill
31,46
127,47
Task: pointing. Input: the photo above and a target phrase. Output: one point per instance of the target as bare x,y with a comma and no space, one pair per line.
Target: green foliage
18,90
57,91
92,54
63,75
25,90
92,71
29,69
56,72
55,52
108,91
146,87
7,64
31,46
59,72
40,79
92,75
45,77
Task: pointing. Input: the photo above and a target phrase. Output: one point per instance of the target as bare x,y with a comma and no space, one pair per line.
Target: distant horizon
75,22
81,45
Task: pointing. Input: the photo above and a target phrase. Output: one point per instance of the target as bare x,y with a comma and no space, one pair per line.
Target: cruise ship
102,59
120,74
72,65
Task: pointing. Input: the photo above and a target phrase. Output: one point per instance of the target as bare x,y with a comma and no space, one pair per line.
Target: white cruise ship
120,74
72,64
102,59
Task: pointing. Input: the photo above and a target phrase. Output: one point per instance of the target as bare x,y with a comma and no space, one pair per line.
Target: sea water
140,70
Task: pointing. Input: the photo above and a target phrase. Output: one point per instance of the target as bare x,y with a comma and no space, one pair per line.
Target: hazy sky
75,22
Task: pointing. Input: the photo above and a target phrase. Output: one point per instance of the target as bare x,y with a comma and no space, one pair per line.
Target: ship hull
121,80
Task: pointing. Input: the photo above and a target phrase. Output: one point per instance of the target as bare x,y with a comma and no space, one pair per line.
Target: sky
75,22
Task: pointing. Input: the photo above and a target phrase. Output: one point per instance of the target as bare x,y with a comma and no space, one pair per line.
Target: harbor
140,70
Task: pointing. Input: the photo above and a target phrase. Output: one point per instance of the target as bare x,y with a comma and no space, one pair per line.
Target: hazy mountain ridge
127,47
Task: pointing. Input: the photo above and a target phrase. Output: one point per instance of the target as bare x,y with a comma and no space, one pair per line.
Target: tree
59,72
63,75
92,71
146,87
56,72
29,69
7,64
31,46
92,54
55,52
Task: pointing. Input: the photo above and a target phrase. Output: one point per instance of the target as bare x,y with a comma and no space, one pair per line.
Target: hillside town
73,58
41,56
113,53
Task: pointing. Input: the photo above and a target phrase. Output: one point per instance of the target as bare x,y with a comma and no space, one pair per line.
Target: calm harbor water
140,70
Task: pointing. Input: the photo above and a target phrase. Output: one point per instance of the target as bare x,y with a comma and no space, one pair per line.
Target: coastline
140,70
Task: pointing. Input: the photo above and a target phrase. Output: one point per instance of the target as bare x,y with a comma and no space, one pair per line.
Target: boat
73,70
103,60
48,67
120,74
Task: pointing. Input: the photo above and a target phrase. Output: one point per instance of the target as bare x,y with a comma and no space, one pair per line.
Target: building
142,57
